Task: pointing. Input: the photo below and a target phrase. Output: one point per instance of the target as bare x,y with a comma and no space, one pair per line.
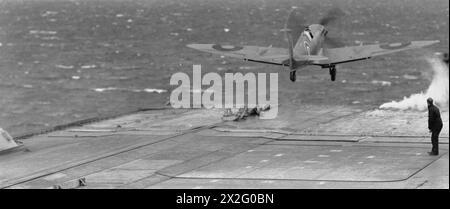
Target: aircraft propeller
295,25
331,17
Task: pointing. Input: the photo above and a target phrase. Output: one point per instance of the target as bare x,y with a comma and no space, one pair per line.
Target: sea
63,61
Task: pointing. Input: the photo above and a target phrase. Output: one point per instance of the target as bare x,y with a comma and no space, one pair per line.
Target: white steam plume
438,90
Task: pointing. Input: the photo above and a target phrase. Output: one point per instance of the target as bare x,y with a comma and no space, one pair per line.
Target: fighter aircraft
309,45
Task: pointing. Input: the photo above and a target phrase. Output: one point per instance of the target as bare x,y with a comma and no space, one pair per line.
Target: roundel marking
395,45
226,48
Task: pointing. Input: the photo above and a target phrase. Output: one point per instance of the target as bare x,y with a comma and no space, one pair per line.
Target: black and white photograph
199,95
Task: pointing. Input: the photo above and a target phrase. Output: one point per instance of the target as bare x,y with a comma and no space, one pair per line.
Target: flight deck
304,147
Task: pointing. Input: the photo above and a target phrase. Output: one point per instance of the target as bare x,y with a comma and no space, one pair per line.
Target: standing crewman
445,58
434,125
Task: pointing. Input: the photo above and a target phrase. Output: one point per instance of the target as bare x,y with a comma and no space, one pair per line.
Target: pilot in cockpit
309,33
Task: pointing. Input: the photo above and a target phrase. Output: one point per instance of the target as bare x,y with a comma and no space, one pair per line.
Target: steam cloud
438,90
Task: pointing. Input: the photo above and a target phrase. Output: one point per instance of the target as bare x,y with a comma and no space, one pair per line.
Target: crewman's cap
430,100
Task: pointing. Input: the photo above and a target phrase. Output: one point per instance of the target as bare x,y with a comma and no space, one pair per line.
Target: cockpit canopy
308,33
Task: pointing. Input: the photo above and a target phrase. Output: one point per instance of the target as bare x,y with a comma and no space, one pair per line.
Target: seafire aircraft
312,47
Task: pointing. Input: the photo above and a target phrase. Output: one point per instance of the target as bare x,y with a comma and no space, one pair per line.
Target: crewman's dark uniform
446,58
435,126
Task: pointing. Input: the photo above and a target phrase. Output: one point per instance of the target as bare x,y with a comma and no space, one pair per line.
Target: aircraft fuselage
310,41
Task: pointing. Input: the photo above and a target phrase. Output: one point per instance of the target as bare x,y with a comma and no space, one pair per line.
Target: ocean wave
382,83
49,38
147,90
43,32
49,13
65,66
88,66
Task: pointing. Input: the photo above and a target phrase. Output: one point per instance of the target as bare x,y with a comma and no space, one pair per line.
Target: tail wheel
293,76
333,73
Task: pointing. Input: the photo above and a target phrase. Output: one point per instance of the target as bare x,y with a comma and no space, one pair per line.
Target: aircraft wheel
293,76
333,73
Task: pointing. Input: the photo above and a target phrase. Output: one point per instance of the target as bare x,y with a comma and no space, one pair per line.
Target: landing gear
333,73
293,76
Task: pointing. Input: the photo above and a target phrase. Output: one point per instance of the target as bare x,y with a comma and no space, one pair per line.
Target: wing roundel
395,45
226,48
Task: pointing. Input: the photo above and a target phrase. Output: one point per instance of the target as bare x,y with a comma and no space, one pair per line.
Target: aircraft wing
355,53
267,55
